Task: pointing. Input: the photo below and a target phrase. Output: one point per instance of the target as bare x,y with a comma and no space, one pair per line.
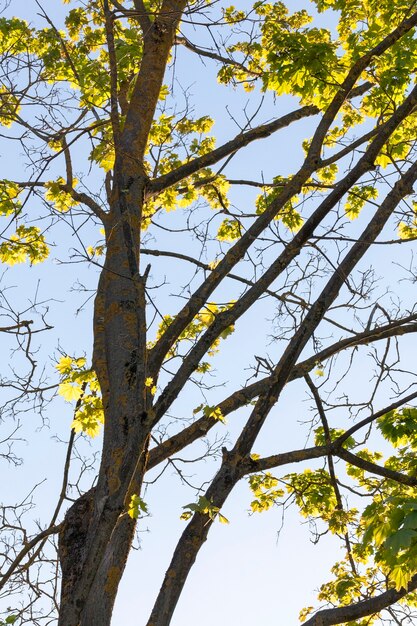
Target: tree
111,141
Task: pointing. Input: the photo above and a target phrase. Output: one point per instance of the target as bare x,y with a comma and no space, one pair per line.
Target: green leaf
229,230
400,540
27,244
410,520
136,507
215,413
205,507
401,576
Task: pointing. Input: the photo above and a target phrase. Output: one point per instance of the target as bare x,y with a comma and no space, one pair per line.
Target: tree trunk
98,532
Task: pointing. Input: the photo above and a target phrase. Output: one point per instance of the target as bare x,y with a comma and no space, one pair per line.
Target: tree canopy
229,193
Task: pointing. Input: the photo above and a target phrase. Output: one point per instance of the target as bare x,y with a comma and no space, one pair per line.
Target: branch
68,162
250,466
368,420
373,468
79,196
158,40
213,55
142,16
342,614
85,199
51,530
351,147
230,147
281,183
330,463
15,329
241,398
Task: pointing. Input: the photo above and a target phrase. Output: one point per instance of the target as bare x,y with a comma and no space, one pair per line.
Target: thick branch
114,108
373,468
250,466
158,40
142,16
342,614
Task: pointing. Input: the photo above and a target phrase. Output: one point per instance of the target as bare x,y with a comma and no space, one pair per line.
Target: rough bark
121,359
94,552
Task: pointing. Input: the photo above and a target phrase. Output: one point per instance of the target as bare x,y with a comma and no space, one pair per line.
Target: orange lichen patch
114,482
113,470
112,310
113,577
123,400
117,456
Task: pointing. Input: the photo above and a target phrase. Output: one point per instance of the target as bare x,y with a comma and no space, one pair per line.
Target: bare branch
332,472
181,40
242,397
51,530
